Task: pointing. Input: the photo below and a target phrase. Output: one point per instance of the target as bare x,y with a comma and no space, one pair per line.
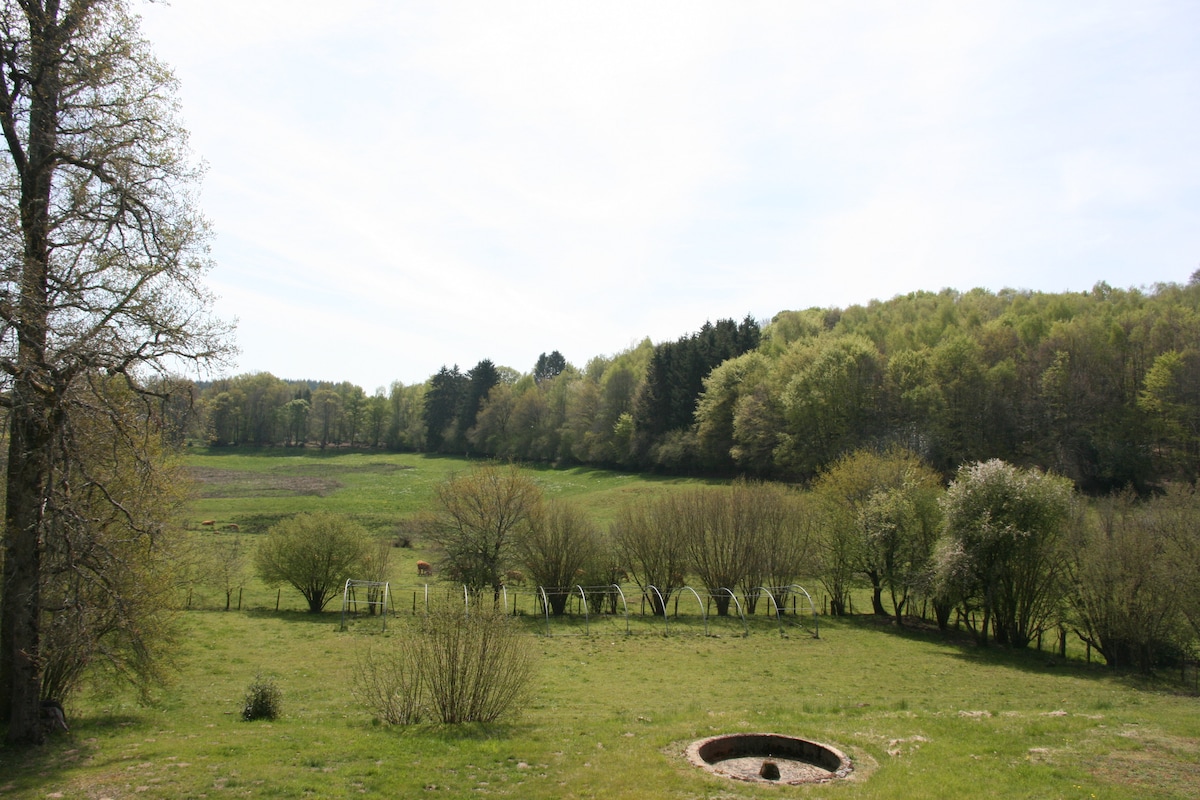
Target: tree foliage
1127,592
1003,556
111,555
879,521
1098,386
313,552
101,274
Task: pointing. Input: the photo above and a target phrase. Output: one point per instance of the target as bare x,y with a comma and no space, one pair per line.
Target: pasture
920,714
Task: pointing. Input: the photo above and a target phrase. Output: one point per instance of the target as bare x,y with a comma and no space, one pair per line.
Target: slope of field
921,715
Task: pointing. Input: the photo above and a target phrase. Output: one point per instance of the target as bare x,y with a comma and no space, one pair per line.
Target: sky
398,186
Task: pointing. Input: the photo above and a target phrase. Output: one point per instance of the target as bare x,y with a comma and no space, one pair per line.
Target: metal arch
545,607
466,601
699,602
504,595
345,597
811,607
741,613
348,596
774,603
624,605
663,603
587,626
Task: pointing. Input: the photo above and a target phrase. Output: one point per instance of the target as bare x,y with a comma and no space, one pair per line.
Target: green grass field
610,715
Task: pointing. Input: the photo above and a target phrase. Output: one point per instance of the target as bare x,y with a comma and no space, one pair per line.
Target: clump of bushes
455,668
263,700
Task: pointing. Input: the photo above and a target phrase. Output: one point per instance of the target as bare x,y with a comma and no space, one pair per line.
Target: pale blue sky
396,186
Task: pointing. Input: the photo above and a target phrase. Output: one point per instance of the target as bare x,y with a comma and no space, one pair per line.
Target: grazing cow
515,577
53,717
209,522
617,575
233,526
424,568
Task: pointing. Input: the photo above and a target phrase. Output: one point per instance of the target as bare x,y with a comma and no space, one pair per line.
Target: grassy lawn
921,715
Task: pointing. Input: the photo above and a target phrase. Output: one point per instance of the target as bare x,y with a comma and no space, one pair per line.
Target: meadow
921,714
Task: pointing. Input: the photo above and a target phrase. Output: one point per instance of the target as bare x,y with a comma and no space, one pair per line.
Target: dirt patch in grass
380,467
222,483
1157,762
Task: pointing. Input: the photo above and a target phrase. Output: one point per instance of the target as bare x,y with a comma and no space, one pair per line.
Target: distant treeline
1101,386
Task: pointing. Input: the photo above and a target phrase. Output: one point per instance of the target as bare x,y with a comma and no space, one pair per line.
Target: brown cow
424,568
515,577
209,522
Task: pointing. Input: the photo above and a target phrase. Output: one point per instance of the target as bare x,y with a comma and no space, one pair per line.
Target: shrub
456,668
388,680
477,668
263,700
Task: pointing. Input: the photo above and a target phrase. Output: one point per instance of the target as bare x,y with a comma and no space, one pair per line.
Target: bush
388,680
314,552
456,668
263,700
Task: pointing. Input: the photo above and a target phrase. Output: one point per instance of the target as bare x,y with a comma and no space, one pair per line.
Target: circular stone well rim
709,753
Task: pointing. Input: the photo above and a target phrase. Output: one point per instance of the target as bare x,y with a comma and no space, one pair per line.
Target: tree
1001,553
666,399
649,540
314,552
830,403
110,559
227,566
375,567
101,274
1126,593
477,519
480,380
719,538
877,522
900,527
783,523
326,414
549,366
442,402
1171,399
718,403
559,545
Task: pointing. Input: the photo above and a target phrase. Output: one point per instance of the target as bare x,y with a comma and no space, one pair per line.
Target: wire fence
625,609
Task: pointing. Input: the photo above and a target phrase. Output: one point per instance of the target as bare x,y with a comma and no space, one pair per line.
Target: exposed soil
217,483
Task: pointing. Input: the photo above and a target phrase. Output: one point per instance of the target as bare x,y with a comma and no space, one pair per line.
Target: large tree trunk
30,426
20,645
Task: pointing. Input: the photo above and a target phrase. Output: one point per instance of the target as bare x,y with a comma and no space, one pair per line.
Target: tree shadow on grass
962,645
331,618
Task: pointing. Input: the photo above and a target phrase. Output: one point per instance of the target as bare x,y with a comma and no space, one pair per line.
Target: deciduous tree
1002,552
559,545
314,552
101,271
476,520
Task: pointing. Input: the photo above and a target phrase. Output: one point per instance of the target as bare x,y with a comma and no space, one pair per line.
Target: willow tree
101,273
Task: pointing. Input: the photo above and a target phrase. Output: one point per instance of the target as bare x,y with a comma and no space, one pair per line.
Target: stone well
769,758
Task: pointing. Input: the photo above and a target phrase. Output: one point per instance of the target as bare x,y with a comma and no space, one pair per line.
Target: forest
1101,386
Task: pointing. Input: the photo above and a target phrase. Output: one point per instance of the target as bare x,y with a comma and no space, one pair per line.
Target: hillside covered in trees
1101,386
